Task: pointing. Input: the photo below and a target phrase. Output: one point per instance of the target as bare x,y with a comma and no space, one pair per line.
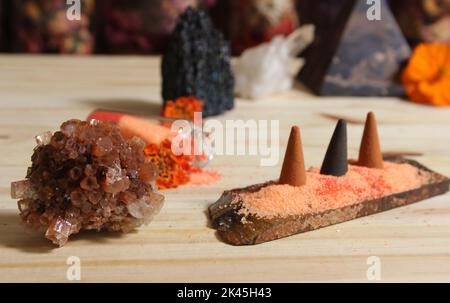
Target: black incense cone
335,162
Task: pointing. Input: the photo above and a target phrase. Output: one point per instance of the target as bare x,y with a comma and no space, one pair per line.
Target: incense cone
370,151
335,162
130,126
293,171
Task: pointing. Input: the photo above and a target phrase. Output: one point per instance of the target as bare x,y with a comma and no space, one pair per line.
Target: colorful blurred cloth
139,26
42,26
248,23
143,26
423,20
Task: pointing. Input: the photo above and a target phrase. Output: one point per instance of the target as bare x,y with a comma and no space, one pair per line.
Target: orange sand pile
204,177
323,192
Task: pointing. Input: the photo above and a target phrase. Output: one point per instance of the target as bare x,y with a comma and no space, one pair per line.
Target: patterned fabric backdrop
143,26
424,20
42,26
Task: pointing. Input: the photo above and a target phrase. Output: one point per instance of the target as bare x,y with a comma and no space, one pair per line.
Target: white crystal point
146,207
22,190
43,139
271,67
299,39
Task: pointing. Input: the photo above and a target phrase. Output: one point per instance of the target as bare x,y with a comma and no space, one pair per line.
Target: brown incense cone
293,171
370,151
335,162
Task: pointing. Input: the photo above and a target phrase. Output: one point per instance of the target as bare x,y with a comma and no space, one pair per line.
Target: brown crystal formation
87,176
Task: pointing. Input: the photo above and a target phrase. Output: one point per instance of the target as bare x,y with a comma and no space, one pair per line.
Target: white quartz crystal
44,138
271,67
146,207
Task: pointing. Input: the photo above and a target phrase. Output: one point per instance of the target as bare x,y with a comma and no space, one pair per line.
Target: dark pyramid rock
197,63
2,40
352,55
329,18
335,162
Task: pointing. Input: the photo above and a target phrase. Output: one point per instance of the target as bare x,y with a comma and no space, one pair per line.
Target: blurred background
143,26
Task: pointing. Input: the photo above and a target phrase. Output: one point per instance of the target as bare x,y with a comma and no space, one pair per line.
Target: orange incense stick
130,126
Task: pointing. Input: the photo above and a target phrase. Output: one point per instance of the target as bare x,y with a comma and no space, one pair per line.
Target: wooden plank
37,93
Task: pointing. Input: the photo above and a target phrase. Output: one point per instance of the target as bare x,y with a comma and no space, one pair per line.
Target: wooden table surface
37,93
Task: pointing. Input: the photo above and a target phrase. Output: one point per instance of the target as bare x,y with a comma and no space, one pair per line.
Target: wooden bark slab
236,229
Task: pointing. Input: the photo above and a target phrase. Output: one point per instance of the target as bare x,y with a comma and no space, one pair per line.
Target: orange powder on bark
323,192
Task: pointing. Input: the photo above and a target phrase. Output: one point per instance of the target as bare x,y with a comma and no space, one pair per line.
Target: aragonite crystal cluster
87,176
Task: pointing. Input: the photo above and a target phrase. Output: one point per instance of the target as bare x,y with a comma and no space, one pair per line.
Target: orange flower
182,108
172,170
427,77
